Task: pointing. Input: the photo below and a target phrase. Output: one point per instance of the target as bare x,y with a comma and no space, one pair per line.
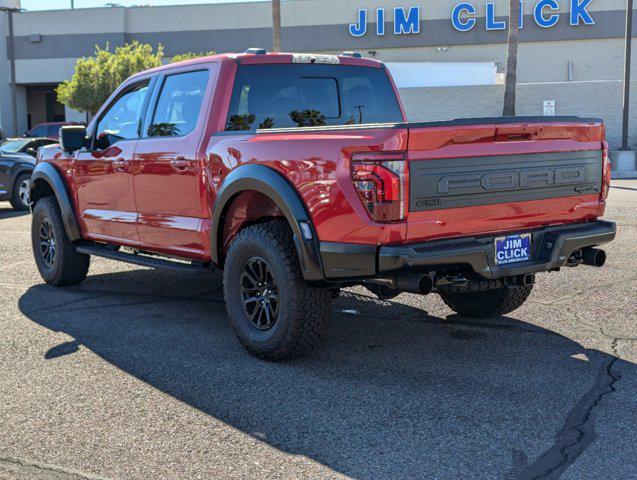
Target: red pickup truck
298,175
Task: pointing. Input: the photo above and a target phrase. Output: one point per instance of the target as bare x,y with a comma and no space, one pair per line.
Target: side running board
144,260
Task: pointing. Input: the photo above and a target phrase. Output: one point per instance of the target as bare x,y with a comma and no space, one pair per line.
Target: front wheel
488,303
55,255
274,313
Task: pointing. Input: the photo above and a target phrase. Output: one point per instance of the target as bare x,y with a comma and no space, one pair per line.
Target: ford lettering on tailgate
509,180
466,182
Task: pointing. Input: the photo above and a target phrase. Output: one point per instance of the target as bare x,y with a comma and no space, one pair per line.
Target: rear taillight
605,170
380,181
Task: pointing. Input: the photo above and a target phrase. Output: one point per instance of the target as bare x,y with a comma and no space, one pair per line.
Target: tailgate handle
518,136
502,135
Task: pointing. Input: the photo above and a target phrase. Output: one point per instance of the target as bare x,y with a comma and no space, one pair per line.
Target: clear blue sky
58,4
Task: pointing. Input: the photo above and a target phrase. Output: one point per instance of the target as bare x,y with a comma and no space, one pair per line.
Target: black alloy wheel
48,247
57,259
275,314
260,294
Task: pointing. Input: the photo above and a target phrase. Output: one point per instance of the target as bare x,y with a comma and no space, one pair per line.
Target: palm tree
276,25
512,59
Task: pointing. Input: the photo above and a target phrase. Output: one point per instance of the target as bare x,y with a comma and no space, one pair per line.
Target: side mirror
72,137
31,151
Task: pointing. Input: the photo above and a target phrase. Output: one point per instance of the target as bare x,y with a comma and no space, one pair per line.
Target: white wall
601,99
442,74
74,115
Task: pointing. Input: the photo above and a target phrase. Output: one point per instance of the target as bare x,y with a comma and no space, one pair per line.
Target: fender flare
47,173
262,179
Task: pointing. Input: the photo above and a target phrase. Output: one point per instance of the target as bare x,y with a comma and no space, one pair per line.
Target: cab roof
262,57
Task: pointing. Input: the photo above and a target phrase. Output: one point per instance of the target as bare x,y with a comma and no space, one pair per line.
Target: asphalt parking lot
136,375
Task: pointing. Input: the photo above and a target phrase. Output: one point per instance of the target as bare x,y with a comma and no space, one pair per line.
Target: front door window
122,120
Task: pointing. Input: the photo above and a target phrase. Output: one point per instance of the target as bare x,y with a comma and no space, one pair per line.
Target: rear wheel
275,314
20,198
488,303
55,256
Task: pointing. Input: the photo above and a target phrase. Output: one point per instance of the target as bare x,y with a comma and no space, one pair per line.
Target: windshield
13,146
283,96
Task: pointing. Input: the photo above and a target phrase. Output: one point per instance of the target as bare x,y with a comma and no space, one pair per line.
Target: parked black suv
17,160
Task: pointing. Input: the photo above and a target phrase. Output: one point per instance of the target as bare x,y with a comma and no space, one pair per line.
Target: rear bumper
551,248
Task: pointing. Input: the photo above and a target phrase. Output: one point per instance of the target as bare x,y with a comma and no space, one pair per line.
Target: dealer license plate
512,249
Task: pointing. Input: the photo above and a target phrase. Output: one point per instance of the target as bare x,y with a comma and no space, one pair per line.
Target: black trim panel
45,172
346,260
444,123
551,248
473,181
505,121
143,260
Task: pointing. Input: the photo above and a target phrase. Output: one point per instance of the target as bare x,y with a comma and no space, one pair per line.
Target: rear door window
179,104
284,96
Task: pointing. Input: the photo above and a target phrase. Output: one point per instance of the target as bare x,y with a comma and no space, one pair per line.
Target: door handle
120,165
180,164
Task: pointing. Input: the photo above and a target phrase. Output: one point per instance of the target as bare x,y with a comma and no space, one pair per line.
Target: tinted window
282,96
14,146
41,143
179,104
121,121
53,131
38,131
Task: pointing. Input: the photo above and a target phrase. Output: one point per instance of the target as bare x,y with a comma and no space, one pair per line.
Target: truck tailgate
473,177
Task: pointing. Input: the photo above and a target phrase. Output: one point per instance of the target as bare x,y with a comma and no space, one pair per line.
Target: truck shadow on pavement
391,393
11,213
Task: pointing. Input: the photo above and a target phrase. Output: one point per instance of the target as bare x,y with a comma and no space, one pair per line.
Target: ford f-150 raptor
298,174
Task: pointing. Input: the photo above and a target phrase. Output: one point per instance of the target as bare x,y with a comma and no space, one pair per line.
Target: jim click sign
406,20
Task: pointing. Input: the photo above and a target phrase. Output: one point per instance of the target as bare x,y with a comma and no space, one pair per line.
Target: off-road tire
487,303
16,201
68,267
303,310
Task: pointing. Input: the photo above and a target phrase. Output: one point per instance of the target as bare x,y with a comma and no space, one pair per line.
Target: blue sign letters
491,23
380,22
359,29
460,24
406,24
579,12
463,17
541,18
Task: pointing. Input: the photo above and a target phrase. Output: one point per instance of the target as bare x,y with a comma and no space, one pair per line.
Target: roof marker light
307,58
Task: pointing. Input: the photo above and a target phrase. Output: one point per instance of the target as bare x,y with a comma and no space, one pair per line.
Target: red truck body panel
428,143
159,194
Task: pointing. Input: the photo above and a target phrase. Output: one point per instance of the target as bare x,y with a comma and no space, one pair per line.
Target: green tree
190,55
308,118
97,77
